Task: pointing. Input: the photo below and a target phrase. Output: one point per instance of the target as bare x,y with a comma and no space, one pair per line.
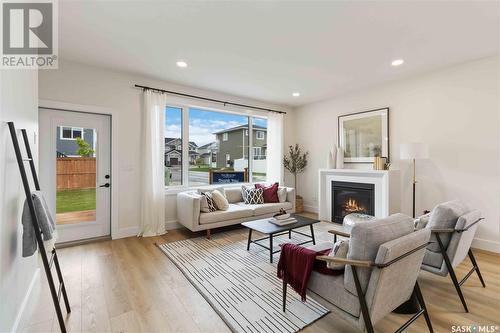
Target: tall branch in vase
295,162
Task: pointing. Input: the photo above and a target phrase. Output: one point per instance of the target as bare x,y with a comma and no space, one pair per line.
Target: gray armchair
381,272
453,228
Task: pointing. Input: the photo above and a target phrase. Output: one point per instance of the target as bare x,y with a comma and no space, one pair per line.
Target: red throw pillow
270,192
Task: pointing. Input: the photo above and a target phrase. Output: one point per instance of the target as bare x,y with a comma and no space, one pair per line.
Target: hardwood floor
129,285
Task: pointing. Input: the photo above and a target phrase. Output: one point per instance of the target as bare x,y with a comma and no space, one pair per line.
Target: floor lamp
414,151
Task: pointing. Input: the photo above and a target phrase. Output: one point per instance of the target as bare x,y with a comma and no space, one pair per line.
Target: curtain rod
208,99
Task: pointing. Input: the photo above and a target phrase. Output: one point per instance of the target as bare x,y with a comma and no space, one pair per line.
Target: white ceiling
267,50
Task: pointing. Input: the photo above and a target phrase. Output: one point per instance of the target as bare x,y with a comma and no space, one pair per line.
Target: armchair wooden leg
208,234
420,298
284,296
452,273
476,267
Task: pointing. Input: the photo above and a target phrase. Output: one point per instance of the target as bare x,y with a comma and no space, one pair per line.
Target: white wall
456,110
86,85
18,103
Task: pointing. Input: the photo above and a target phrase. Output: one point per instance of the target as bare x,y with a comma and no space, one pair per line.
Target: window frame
260,132
185,105
225,136
61,137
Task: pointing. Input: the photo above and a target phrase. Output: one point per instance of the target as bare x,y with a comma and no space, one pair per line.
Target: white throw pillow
282,194
220,200
339,250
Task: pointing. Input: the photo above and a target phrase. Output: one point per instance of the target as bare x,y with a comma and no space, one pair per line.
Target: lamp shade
409,151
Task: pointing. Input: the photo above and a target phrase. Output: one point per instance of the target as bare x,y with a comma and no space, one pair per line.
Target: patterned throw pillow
339,250
253,196
210,201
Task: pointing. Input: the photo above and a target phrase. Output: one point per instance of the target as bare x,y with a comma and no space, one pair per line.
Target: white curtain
152,160
275,147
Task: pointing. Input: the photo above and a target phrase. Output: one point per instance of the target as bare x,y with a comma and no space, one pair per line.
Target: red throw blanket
296,264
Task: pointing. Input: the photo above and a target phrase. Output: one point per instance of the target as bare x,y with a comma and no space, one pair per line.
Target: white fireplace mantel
386,183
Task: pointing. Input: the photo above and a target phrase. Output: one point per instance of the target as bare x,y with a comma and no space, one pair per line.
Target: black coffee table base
270,237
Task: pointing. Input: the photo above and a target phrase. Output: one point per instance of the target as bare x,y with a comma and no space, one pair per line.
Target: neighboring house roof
178,152
209,145
206,155
237,128
168,141
173,152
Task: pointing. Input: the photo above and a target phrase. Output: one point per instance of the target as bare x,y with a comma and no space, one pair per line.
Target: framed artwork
364,135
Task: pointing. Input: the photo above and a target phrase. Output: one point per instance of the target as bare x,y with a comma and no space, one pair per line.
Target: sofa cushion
445,215
365,241
254,196
233,194
270,193
282,194
262,209
220,200
207,204
233,212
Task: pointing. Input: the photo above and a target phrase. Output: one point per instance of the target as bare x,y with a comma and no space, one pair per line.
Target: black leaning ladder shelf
47,264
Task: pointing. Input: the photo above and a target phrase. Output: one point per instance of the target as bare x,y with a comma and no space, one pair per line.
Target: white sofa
189,215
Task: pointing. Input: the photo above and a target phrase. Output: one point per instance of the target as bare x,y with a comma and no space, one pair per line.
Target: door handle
105,185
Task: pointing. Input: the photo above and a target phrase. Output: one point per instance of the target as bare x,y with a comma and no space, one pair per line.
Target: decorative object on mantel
295,162
414,151
331,160
364,135
340,158
335,158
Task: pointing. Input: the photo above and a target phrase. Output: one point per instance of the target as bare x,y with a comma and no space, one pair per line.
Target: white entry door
75,161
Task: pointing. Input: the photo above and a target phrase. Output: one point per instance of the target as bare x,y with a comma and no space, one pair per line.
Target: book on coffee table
282,222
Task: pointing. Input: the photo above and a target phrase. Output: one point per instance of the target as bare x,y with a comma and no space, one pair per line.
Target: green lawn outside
205,168
75,200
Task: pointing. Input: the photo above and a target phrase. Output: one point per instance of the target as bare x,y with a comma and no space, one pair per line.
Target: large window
173,146
218,141
213,141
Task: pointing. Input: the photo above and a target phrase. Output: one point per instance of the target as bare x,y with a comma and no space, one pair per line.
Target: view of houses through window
173,146
217,141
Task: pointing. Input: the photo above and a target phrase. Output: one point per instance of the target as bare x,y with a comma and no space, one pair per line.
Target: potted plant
295,162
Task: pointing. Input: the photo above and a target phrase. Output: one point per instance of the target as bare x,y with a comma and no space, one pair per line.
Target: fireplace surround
350,197
386,190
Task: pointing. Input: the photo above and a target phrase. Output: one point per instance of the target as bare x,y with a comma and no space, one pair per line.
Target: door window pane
259,161
217,142
75,175
173,146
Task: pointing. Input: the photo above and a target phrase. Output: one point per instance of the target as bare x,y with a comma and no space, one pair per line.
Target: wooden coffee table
272,230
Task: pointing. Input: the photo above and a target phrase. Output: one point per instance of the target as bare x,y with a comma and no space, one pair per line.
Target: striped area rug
241,285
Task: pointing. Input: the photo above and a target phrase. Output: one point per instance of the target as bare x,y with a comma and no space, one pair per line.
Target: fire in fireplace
350,198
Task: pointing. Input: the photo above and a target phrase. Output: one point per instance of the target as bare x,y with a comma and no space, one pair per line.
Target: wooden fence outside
76,173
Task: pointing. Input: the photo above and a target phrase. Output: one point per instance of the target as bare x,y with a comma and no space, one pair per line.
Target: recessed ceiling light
397,62
181,64
296,94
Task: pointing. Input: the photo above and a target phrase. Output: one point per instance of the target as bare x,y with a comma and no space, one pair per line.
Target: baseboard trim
486,244
26,306
311,209
173,224
126,232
